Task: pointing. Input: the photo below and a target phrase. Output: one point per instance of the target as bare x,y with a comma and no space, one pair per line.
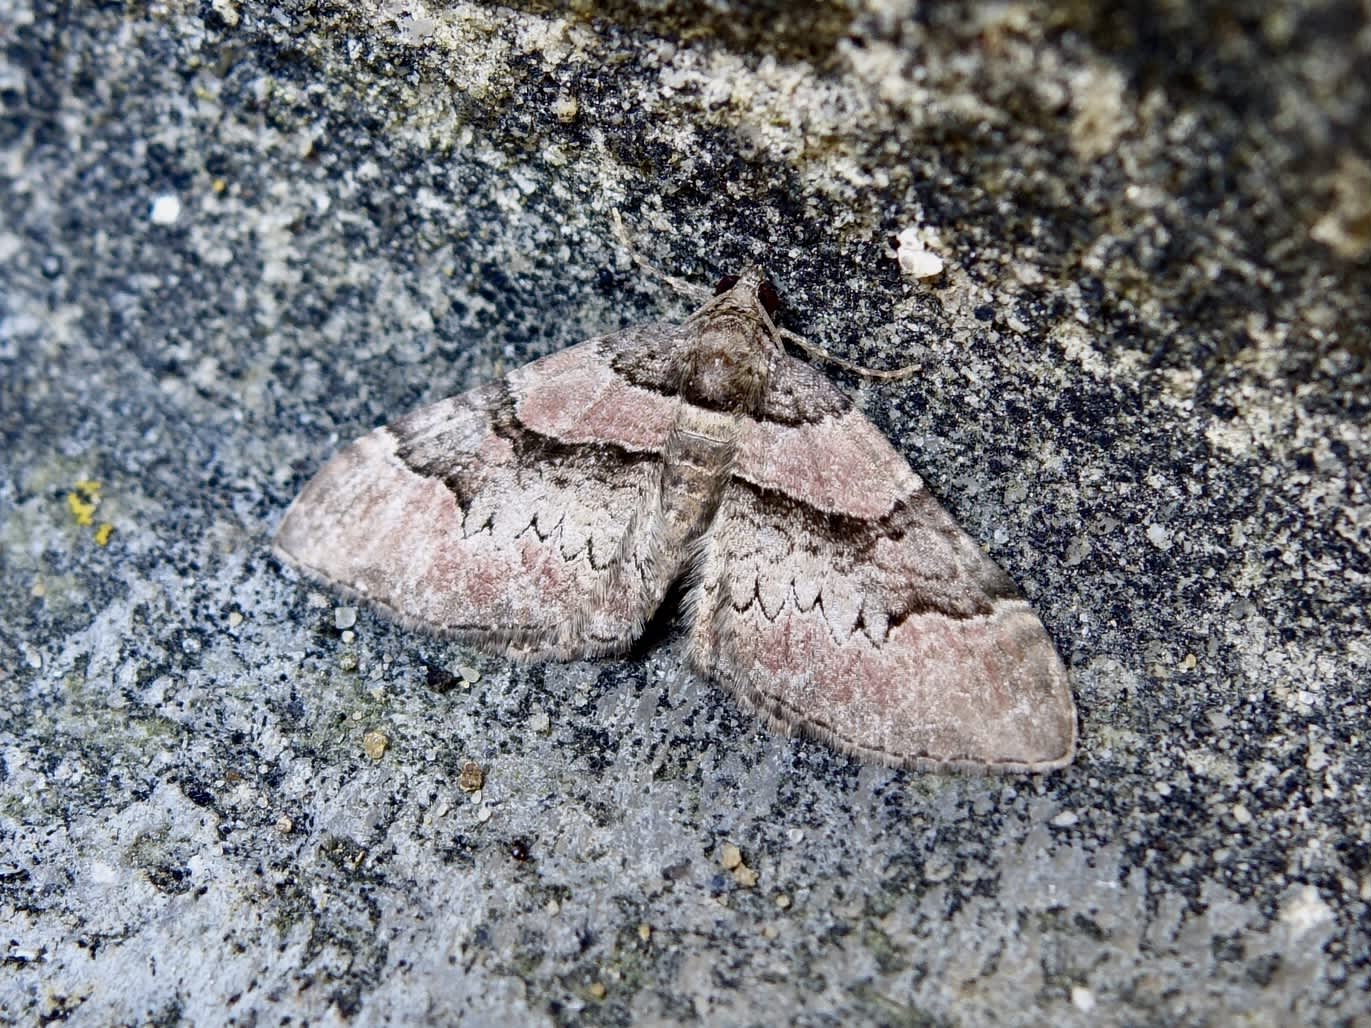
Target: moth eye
770,299
725,284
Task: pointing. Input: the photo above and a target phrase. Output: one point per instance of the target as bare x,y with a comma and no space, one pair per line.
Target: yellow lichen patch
472,778
374,744
82,501
103,533
731,857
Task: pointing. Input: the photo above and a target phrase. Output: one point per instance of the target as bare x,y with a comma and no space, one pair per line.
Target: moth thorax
726,369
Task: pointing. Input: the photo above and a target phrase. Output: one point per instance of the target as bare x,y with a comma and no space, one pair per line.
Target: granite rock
233,235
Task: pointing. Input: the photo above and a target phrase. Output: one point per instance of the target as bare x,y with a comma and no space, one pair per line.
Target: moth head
751,285
732,340
747,299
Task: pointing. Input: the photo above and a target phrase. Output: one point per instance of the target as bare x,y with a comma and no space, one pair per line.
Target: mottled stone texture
233,236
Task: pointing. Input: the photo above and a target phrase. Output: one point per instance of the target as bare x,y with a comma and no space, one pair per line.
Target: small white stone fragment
469,674
1082,999
566,108
1304,911
540,723
916,259
1159,537
344,617
165,210
228,10
1065,819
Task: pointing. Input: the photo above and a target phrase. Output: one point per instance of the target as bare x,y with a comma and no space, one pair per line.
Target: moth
549,514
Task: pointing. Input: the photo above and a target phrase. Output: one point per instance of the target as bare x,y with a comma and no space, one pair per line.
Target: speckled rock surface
234,235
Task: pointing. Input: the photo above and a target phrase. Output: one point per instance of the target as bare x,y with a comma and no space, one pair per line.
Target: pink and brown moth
547,515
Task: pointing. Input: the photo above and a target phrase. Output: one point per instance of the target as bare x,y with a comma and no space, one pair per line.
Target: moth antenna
814,350
687,289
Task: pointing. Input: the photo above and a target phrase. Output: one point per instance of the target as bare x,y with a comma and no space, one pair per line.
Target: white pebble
1082,999
916,260
165,210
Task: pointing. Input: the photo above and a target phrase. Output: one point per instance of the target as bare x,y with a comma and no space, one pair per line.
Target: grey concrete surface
233,235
